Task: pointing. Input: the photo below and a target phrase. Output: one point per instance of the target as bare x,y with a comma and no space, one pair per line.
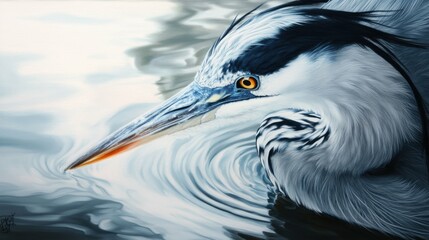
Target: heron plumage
339,63
373,117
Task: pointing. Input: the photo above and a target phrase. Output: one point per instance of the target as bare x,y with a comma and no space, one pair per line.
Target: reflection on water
66,82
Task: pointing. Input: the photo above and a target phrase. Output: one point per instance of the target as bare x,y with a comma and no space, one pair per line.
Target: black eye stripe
324,30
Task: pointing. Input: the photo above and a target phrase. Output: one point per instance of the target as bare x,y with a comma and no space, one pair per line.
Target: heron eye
248,82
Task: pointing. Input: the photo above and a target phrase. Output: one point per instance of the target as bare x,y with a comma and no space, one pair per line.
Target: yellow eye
248,82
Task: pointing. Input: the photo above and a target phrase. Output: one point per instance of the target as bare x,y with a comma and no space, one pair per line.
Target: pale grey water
73,72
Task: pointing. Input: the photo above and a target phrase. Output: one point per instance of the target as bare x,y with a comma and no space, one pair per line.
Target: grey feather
376,116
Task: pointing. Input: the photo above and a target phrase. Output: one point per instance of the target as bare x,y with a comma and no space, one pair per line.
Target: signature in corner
7,222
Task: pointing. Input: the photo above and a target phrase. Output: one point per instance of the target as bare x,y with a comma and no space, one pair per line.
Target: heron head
258,65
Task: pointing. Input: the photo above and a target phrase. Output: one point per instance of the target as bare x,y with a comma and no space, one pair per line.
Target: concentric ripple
199,179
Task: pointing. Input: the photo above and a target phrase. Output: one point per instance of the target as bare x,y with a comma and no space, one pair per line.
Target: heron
332,91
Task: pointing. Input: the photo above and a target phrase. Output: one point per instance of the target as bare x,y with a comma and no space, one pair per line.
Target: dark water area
91,67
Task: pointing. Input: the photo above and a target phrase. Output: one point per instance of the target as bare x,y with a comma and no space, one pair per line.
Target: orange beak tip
98,157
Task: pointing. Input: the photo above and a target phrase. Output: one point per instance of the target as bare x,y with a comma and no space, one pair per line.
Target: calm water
73,72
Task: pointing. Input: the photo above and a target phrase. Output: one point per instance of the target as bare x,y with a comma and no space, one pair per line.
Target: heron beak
190,107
